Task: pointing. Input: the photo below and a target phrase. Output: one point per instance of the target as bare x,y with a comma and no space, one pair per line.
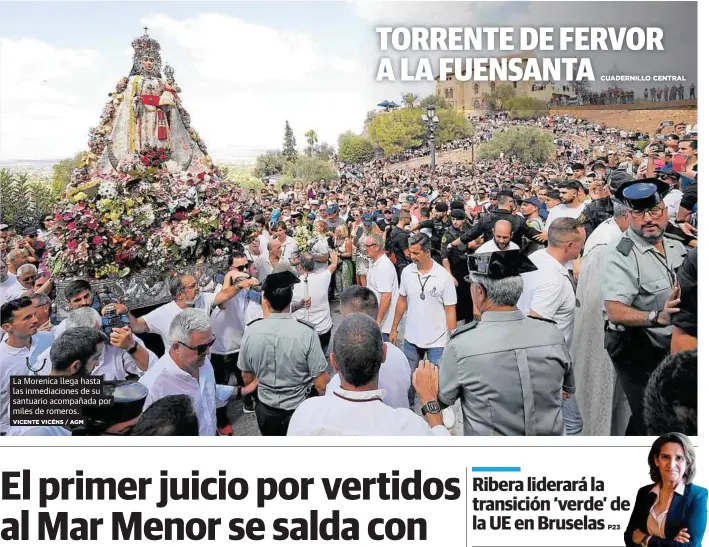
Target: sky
244,68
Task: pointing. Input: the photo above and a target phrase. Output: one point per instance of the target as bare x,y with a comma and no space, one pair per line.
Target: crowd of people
499,298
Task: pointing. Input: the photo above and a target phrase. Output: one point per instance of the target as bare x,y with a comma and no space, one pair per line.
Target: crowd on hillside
556,298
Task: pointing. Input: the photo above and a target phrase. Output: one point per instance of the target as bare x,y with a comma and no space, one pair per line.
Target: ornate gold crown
145,45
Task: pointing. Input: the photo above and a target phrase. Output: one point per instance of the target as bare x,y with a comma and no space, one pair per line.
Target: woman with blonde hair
343,246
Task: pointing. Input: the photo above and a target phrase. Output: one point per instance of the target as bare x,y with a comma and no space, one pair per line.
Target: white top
491,247
316,288
357,413
159,320
228,324
426,325
394,379
656,521
288,249
672,201
606,232
550,293
10,289
381,278
264,266
38,431
166,378
562,210
263,238
320,248
13,362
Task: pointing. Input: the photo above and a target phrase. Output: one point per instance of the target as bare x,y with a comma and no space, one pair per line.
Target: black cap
571,184
29,232
281,278
506,192
457,204
458,214
500,264
616,178
576,166
553,194
441,207
643,193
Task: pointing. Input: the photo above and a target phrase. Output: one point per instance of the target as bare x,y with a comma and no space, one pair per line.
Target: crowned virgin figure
145,115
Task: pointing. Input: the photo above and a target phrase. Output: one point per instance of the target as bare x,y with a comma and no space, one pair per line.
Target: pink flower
73,244
125,222
218,252
92,224
200,176
97,240
71,226
68,216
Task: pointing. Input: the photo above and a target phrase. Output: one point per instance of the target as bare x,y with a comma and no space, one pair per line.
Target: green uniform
459,268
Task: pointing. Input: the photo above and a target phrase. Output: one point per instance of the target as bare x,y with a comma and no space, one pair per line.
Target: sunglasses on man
202,348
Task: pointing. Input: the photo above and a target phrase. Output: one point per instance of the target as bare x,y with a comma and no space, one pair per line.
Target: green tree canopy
355,148
435,100
309,169
312,138
243,179
323,151
271,163
409,99
526,107
527,144
453,125
397,130
61,172
289,150
498,99
24,202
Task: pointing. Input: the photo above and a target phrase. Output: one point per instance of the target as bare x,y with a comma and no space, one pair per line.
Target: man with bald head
501,239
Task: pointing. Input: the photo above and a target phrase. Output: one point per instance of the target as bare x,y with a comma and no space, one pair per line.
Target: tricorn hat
500,264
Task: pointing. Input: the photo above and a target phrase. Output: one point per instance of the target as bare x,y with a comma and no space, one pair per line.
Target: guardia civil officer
508,370
455,261
283,353
438,225
601,209
639,293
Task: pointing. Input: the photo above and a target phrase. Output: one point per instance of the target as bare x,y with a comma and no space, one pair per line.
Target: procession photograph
238,219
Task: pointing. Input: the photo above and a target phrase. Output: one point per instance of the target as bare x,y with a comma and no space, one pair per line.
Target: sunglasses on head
202,348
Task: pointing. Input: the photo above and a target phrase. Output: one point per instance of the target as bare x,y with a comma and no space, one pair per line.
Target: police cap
643,193
458,214
500,264
441,207
280,278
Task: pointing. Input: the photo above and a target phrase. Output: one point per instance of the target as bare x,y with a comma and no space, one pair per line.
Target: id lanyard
422,296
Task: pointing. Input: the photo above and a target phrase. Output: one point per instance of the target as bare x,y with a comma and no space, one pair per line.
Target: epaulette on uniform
464,328
625,245
304,322
542,319
254,321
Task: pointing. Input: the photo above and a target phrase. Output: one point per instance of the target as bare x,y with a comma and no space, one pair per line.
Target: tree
526,144
24,202
61,172
395,131
244,180
312,138
323,151
409,99
435,100
289,150
309,169
271,163
499,97
526,108
452,125
355,148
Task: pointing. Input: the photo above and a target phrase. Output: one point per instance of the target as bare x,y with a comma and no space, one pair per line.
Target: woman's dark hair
278,225
689,455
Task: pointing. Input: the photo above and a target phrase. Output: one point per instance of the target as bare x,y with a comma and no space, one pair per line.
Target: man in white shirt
395,373
76,353
382,280
315,285
272,258
10,288
186,294
356,407
18,320
427,295
571,202
185,369
501,239
550,293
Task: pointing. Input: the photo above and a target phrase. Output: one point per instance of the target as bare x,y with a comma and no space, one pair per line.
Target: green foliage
498,99
323,151
243,179
526,107
310,169
61,172
289,150
355,148
311,137
527,144
409,99
453,125
439,102
394,131
271,163
24,202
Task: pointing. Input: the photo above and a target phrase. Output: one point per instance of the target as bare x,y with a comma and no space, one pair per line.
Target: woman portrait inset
671,511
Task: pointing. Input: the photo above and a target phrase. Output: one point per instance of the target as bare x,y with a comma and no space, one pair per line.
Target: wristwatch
431,407
132,350
653,317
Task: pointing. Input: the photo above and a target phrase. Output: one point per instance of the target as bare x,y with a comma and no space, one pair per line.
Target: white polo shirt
562,210
288,249
10,289
550,293
316,288
426,325
394,378
381,278
491,247
159,320
166,378
228,324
